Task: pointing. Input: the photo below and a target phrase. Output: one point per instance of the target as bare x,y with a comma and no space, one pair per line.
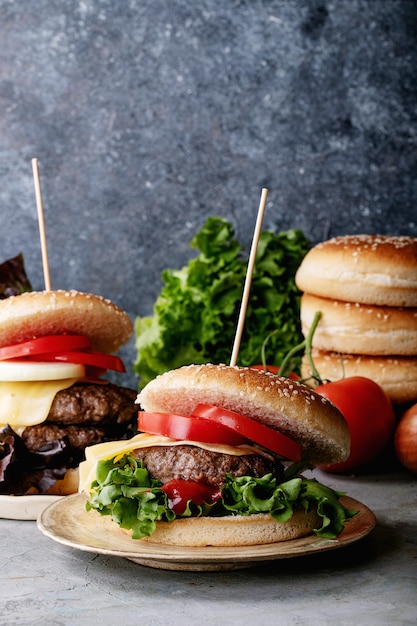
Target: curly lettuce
246,495
124,490
195,315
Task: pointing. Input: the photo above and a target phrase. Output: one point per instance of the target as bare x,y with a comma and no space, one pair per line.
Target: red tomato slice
274,369
255,431
41,345
86,357
187,428
179,492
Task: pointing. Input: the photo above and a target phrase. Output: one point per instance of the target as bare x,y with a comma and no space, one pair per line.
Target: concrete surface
371,582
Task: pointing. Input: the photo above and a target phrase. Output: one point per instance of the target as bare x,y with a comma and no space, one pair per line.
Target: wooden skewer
248,279
41,222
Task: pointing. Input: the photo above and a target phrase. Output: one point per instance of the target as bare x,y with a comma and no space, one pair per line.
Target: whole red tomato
370,415
405,439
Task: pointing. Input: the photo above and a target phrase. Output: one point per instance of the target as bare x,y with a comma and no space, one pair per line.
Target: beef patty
185,462
83,415
90,403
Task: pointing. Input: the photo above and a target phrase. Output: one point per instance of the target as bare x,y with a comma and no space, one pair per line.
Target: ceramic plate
68,523
24,507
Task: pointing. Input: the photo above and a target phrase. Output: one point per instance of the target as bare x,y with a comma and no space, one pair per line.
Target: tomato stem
308,347
285,366
303,345
263,348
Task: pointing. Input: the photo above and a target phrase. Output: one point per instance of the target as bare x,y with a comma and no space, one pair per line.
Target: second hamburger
54,348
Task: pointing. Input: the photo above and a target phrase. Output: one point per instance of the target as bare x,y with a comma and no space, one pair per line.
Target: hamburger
218,461
55,347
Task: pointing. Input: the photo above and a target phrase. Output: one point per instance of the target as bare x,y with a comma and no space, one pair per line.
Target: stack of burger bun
365,287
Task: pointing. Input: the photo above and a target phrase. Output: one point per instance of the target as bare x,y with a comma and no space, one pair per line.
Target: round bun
280,403
369,269
396,375
358,328
233,530
39,313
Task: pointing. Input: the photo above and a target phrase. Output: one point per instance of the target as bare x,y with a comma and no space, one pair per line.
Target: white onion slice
23,371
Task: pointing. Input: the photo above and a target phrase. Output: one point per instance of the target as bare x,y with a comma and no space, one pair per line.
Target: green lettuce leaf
195,315
246,495
125,491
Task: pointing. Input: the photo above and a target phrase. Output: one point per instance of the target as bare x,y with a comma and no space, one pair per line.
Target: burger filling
203,466
32,459
150,479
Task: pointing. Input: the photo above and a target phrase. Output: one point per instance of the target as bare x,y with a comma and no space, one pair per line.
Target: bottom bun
65,486
233,531
395,374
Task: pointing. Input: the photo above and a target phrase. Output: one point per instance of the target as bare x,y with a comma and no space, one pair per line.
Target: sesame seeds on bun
365,288
40,313
397,375
369,269
360,328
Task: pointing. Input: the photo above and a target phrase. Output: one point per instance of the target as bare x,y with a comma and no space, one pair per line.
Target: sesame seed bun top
40,313
280,403
369,269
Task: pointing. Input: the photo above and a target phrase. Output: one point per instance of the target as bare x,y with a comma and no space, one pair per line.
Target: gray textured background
148,116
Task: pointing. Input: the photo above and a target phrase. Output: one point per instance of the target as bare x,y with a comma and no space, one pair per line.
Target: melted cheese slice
25,404
116,449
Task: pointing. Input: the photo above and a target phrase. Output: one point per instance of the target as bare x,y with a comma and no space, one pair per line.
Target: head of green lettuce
195,315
